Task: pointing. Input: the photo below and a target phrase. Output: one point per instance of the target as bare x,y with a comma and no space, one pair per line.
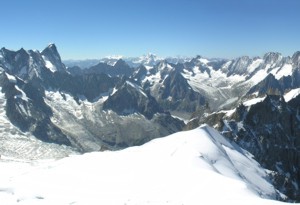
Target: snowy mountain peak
148,60
150,55
114,57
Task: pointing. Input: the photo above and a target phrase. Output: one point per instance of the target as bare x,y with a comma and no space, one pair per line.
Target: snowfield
291,94
192,167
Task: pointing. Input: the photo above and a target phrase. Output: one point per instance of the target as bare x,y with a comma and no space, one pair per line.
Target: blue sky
94,28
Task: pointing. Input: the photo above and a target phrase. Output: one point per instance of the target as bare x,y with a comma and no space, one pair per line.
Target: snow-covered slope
24,145
192,167
291,94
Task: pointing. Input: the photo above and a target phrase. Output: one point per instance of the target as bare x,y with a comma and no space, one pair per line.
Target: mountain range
118,103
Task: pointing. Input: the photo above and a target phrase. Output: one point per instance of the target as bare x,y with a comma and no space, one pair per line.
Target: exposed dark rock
239,66
75,70
26,109
177,94
140,73
51,54
270,130
130,98
120,68
270,85
296,59
168,123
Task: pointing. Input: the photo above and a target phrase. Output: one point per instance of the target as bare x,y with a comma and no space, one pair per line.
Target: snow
228,102
148,67
254,65
292,94
218,87
11,78
23,95
115,57
114,91
68,103
192,167
285,70
49,65
253,101
259,76
148,60
16,144
226,65
229,113
278,72
203,60
136,87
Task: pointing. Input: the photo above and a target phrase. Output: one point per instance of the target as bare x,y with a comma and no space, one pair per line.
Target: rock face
26,109
89,86
177,94
270,130
270,85
140,73
86,109
239,66
130,98
52,59
172,91
119,69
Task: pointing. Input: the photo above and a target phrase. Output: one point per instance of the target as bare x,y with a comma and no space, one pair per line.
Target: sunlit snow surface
253,101
291,94
49,65
22,145
192,167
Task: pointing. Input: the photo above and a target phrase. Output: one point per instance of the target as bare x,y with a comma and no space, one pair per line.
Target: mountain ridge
114,105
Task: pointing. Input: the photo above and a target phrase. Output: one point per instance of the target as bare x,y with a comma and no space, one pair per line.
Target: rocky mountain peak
272,57
239,66
122,68
195,60
130,98
53,59
120,63
140,73
296,59
15,62
50,48
164,67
